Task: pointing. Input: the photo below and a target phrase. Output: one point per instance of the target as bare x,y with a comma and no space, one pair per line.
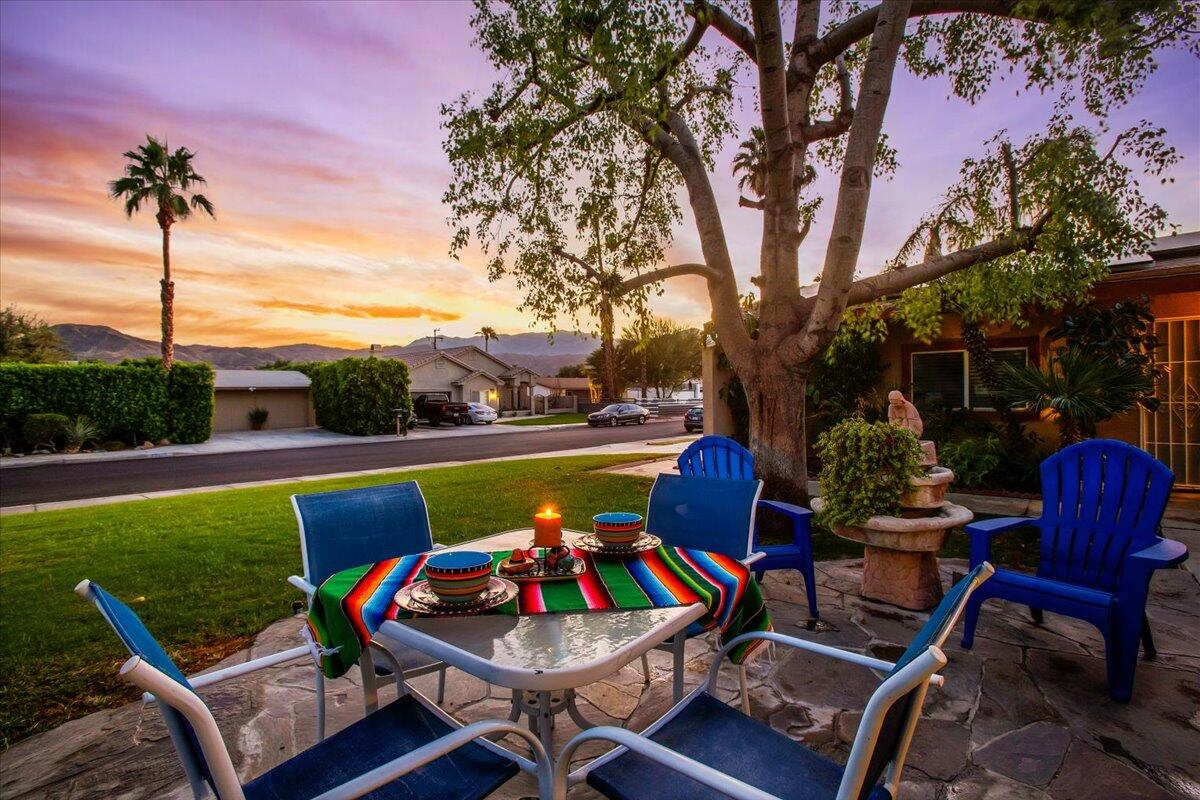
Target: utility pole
435,337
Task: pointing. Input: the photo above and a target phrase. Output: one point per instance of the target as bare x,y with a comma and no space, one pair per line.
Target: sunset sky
317,128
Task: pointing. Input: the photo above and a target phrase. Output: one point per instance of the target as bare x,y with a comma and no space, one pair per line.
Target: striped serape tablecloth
351,605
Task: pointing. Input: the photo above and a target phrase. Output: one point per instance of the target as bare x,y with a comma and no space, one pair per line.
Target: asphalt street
53,482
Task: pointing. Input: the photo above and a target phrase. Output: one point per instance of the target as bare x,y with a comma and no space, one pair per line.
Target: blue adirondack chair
702,749
352,527
1102,502
722,457
408,749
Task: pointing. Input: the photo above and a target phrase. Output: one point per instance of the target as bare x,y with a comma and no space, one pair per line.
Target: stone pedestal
900,560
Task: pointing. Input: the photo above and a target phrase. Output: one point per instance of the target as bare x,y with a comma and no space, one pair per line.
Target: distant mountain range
531,350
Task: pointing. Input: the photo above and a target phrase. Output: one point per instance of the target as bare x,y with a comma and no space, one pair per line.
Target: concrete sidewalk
286,439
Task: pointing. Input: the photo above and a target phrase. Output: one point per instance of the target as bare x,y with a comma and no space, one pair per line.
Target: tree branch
895,281
728,27
860,26
661,274
1014,197
830,128
746,202
854,191
684,50
591,271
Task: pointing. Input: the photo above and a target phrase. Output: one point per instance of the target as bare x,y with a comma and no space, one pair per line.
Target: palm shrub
1080,388
865,468
79,432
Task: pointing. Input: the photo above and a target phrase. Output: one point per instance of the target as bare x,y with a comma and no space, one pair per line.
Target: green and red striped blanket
351,605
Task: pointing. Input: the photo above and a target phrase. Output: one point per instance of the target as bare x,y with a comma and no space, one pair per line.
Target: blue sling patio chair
722,457
1102,503
408,750
710,514
352,527
702,749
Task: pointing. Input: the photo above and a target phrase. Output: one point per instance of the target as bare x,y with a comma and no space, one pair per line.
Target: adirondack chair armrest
801,519
981,534
1163,553
303,585
752,558
398,767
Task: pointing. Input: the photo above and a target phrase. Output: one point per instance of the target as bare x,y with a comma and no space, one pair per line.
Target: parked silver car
481,413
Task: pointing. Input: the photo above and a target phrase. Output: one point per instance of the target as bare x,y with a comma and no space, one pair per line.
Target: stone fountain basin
911,534
927,490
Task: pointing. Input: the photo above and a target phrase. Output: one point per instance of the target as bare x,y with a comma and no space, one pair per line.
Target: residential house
1168,275
471,375
552,395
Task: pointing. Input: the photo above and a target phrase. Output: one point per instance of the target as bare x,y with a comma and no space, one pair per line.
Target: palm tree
156,176
751,163
488,333
1081,389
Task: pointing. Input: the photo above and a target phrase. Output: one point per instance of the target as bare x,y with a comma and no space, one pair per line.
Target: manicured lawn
207,571
553,419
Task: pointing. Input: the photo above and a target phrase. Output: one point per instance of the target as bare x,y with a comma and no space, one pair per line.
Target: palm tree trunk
168,302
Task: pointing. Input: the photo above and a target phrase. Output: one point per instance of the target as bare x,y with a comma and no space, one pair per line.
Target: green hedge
131,402
359,396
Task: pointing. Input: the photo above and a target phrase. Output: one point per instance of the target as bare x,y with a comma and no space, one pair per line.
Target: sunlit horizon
318,130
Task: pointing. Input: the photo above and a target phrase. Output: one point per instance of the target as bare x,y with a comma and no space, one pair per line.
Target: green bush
972,460
190,403
40,429
865,467
134,401
359,396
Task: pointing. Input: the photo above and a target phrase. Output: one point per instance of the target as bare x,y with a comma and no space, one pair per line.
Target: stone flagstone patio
1023,715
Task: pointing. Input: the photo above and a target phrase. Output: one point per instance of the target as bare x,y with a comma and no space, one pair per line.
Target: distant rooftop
260,379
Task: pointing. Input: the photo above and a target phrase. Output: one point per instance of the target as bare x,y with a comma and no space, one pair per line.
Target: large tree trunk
776,400
167,295
608,377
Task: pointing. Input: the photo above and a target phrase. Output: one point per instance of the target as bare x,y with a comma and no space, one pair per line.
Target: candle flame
548,512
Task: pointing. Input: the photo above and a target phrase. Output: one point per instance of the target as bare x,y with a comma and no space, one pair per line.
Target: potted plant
258,418
866,468
79,432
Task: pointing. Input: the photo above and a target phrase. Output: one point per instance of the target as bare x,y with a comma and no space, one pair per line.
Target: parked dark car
618,414
693,420
436,407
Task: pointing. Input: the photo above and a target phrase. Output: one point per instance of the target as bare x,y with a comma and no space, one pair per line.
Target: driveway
74,481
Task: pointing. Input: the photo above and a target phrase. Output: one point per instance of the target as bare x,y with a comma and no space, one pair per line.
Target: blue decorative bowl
617,527
459,576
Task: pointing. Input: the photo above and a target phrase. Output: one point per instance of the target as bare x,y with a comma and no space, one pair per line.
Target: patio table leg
366,665
677,679
583,722
544,719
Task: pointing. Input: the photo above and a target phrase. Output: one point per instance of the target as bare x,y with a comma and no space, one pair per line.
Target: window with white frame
948,378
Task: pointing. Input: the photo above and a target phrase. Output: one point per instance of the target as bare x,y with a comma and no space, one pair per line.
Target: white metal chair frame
917,675
366,661
159,687
676,647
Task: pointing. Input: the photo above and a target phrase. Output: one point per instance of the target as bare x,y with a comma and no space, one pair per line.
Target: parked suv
618,414
693,420
436,407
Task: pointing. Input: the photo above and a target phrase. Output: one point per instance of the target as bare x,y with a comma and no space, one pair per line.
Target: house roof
259,379
477,373
1166,256
459,352
565,383
423,357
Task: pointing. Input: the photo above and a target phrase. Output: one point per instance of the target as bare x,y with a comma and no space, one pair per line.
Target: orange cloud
363,311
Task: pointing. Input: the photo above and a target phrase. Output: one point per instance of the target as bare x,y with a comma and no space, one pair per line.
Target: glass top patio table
540,652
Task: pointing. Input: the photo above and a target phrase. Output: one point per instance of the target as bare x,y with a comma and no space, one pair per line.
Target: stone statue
903,413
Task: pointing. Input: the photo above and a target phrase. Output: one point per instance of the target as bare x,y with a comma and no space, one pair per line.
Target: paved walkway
1023,716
